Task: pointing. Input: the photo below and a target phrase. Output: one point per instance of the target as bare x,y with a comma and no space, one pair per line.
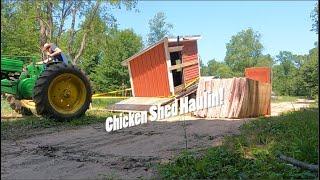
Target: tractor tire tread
40,95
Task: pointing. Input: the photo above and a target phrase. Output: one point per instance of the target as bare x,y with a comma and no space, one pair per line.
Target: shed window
175,58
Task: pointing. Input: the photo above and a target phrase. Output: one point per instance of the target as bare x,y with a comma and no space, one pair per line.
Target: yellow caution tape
192,82
111,92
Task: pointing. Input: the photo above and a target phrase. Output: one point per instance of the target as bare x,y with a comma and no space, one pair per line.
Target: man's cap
45,46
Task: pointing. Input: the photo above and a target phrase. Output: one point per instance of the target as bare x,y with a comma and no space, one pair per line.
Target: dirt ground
91,153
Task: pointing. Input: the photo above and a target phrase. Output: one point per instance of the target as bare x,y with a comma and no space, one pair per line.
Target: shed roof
169,39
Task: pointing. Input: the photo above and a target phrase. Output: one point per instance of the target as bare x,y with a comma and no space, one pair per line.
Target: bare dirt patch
281,107
91,153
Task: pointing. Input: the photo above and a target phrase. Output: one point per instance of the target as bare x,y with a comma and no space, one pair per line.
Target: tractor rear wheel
62,92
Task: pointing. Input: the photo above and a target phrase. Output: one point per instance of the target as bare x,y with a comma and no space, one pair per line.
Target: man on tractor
55,90
54,52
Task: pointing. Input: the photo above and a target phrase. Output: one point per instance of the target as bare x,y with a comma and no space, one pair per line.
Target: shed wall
262,74
149,73
189,53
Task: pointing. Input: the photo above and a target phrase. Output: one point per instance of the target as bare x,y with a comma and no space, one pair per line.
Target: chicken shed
163,69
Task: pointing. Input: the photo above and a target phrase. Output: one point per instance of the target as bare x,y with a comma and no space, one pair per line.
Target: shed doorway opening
175,58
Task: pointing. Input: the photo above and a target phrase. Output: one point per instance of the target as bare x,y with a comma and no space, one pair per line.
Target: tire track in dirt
91,152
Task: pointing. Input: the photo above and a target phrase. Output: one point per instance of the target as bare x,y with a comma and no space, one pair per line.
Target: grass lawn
103,103
5,107
254,152
286,99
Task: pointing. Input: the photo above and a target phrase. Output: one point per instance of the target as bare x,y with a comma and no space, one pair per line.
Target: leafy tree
315,18
284,74
27,25
286,59
265,61
244,50
309,74
296,75
219,69
159,28
203,68
95,46
119,46
19,30
99,8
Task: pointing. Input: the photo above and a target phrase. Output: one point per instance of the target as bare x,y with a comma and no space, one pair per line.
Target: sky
283,25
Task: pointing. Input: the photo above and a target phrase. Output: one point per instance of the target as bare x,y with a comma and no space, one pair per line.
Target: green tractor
58,90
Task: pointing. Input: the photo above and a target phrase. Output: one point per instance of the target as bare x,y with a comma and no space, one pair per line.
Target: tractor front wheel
62,92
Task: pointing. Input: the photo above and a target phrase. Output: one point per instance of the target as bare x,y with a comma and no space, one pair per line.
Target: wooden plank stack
243,98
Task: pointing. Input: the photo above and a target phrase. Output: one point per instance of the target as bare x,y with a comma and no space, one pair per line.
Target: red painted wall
149,73
190,53
262,74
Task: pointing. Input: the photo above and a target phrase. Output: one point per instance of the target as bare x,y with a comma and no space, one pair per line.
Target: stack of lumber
243,98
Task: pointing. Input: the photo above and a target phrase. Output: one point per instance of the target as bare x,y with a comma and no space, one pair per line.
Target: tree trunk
61,21
72,32
43,37
49,20
86,30
298,163
83,43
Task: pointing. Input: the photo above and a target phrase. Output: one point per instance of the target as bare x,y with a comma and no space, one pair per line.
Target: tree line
292,74
88,33
85,30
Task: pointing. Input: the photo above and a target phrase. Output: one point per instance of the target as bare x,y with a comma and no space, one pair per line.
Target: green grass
254,153
5,108
285,99
103,103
